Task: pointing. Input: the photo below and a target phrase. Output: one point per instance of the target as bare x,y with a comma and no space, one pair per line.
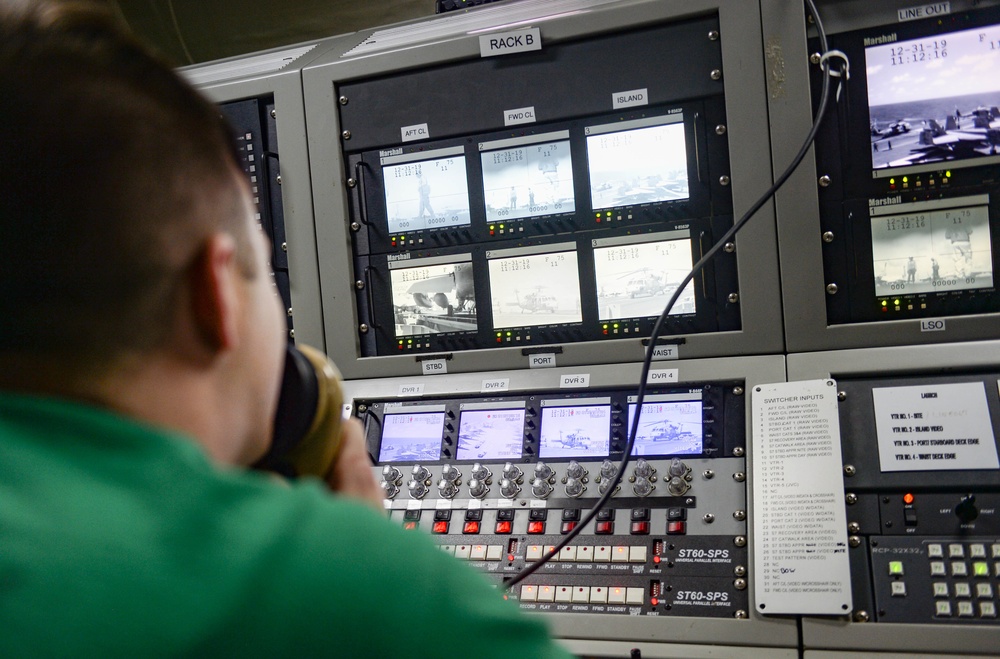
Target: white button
984,591
963,590
554,559
568,554
478,552
987,609
598,594
634,596
448,549
977,551
463,551
546,593
995,549
494,552
619,554
935,551
616,595
533,553
996,570
636,554
602,554
942,608
584,554
965,609
529,593
581,594
956,551
937,569
940,589
898,589
959,569
564,593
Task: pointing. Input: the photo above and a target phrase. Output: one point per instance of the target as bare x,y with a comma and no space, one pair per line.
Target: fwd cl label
519,116
510,42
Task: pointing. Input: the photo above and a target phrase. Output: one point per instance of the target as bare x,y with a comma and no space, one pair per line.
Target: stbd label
434,367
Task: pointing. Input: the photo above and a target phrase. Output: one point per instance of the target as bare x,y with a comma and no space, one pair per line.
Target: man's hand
352,471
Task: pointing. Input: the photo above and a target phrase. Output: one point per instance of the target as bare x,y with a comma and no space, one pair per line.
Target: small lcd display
668,428
636,280
433,299
932,251
638,166
426,195
529,180
575,432
490,434
411,437
535,289
934,99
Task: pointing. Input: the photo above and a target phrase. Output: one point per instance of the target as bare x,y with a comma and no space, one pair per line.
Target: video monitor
636,275
411,436
931,247
527,176
490,433
640,161
574,431
670,424
433,295
933,99
534,286
426,190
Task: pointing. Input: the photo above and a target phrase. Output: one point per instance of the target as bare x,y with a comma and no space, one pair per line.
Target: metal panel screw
861,616
740,515
738,451
741,584
849,470
854,541
352,182
289,312
359,285
842,396
740,571
831,289
709,518
740,615
274,114
291,334
708,474
720,129
729,248
277,179
716,74
739,476
355,226
854,528
363,328
815,58
733,298
713,35
362,408
737,391
284,247
724,180
343,100
828,236
346,134
851,498
740,541
824,181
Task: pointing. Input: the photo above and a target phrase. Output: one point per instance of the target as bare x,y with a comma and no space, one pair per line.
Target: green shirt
120,540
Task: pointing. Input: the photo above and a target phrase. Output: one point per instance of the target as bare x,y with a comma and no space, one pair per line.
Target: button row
475,552
582,594
588,554
962,589
965,610
957,550
980,569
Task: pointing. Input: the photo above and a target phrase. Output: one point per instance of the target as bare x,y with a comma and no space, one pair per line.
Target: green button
895,568
981,569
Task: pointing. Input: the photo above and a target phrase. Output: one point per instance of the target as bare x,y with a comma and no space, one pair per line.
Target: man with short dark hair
141,344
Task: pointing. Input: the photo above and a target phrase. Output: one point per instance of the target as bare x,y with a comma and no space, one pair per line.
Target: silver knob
608,469
605,484
542,471
450,473
447,489
574,487
540,488
677,486
575,470
509,488
478,488
390,474
418,489
479,472
642,469
642,487
390,489
511,472
678,468
420,473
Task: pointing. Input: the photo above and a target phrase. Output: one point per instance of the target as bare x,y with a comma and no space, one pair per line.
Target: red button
503,527
536,527
676,528
640,528
470,528
605,528
409,526
440,527
567,527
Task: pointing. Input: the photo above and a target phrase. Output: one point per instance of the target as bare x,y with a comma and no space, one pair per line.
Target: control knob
450,473
678,486
678,468
642,469
447,489
540,488
542,471
420,473
390,474
605,484
608,470
575,471
418,489
479,472
642,487
509,488
966,509
574,487
478,488
390,489
511,472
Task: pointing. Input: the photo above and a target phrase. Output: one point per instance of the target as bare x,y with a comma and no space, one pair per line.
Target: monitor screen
411,437
636,279
527,179
431,297
638,165
668,428
426,194
935,98
575,432
531,289
932,250
490,434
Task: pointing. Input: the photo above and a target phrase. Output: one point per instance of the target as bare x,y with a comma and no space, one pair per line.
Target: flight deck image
667,428
573,432
932,251
639,166
490,434
533,290
636,281
433,299
426,195
411,437
535,179
935,99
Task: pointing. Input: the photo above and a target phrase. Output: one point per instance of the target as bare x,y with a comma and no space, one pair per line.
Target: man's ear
214,293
